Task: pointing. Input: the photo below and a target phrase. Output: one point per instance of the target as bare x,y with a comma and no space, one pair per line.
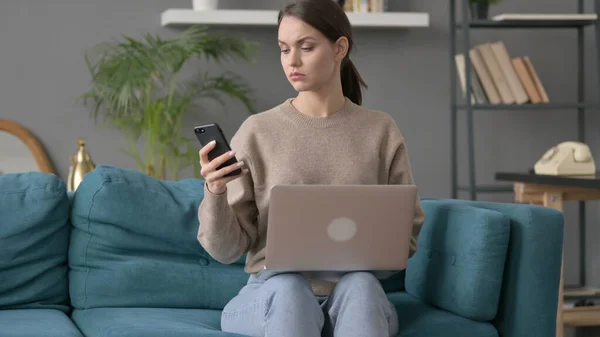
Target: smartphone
209,132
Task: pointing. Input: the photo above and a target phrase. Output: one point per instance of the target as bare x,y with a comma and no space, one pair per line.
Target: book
487,82
477,92
512,80
526,80
536,79
498,76
366,6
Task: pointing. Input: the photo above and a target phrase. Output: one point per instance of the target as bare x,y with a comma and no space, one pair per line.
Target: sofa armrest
530,285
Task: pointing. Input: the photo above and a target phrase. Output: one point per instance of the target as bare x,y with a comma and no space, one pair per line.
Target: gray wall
42,72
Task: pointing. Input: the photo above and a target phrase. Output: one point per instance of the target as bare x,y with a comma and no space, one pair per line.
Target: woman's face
309,60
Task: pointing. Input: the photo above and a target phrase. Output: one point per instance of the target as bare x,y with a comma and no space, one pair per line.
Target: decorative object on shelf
21,151
81,164
480,8
136,88
205,5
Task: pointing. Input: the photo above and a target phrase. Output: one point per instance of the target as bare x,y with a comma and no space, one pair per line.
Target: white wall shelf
186,17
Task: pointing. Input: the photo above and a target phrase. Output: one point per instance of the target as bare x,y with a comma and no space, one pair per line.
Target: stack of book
499,78
365,6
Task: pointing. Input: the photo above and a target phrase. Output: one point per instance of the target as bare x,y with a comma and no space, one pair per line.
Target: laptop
340,227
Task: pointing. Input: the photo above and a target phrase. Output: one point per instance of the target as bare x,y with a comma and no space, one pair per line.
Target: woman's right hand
217,183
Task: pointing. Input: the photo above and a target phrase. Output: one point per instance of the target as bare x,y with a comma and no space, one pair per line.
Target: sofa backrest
34,239
134,243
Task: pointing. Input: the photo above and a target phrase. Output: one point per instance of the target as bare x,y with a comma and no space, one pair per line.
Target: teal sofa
119,258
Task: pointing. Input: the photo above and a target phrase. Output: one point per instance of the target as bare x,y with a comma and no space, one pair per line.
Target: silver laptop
339,228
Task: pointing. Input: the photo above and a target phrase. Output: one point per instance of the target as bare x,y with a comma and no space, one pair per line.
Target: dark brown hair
329,18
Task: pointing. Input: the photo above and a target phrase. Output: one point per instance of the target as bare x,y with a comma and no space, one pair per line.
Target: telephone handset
567,158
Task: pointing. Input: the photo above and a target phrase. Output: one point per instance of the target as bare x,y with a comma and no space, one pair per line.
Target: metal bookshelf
465,26
577,317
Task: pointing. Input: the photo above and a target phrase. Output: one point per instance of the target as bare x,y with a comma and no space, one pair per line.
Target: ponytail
351,82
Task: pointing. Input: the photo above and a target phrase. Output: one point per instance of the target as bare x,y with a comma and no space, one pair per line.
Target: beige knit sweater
283,146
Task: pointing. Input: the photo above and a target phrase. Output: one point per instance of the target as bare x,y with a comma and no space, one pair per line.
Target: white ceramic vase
205,5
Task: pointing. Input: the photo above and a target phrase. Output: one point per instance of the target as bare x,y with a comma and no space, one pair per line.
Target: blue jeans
276,305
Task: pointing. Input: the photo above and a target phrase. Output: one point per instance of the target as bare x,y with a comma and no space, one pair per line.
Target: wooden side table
552,191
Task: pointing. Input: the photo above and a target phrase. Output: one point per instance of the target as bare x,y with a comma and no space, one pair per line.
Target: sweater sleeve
228,225
400,173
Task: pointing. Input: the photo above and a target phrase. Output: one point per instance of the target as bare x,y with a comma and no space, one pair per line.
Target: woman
322,136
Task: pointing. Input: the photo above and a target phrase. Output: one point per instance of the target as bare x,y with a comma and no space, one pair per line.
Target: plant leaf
135,89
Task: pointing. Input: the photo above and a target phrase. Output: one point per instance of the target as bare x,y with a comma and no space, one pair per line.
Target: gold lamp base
81,164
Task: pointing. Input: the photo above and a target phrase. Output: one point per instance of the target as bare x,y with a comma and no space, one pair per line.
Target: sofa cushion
34,239
150,322
134,244
417,319
36,323
459,263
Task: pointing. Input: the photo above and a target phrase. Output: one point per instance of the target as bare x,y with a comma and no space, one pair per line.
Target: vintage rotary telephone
567,158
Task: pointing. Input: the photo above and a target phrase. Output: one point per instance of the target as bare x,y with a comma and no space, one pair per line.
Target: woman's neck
319,104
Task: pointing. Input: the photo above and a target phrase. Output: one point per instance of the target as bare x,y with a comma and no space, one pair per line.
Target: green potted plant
138,88
480,8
